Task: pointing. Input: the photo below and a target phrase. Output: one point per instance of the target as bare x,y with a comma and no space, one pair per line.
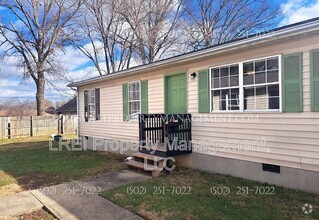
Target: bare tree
210,22
21,107
32,30
154,25
104,38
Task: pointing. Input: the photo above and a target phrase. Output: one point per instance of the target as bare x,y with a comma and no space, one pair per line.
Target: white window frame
90,92
229,87
128,99
242,86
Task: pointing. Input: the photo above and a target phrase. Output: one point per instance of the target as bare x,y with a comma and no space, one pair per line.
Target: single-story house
69,108
247,108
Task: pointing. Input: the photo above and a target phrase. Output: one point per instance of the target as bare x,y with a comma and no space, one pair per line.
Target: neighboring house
67,117
69,108
50,110
254,105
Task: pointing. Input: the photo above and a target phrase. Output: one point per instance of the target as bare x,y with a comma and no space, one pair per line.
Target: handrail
172,131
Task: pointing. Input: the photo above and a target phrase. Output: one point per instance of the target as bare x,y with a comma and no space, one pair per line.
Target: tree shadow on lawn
25,166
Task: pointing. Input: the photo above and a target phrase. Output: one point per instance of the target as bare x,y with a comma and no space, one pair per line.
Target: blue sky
12,83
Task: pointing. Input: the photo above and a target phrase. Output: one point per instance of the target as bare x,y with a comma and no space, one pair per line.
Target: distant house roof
68,108
297,29
51,110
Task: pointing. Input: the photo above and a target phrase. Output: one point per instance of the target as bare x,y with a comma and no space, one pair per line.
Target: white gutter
285,32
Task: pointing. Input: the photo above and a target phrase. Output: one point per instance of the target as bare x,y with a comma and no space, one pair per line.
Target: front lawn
29,165
189,194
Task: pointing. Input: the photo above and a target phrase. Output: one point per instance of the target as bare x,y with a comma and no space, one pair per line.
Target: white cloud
12,83
71,58
299,10
6,83
5,93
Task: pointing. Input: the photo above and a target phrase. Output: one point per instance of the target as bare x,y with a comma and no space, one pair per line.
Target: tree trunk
40,93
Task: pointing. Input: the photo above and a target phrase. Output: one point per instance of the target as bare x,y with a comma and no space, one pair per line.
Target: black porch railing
165,134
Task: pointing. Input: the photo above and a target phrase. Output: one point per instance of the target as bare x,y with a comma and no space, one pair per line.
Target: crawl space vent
271,168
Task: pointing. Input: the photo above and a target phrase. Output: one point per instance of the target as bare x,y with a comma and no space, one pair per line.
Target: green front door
176,94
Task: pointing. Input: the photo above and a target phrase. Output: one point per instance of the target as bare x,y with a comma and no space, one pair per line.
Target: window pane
234,81
215,73
216,100
274,103
224,82
260,77
134,91
260,65
134,109
261,103
249,95
272,76
234,70
224,71
136,95
273,90
272,63
234,99
248,79
225,93
215,83
248,67
261,98
225,99
92,111
261,92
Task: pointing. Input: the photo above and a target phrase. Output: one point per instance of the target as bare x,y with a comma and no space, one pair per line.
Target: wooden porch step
141,161
149,157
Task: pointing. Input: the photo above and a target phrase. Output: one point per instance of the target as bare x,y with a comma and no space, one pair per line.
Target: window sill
247,112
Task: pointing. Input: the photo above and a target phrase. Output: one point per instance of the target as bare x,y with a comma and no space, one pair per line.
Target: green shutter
292,83
314,80
144,97
125,102
203,91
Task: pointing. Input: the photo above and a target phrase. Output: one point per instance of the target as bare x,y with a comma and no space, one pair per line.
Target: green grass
201,203
31,164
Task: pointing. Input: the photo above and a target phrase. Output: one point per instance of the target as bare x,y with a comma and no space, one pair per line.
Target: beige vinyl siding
292,138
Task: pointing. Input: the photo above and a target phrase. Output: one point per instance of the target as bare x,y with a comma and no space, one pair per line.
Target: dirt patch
145,211
118,195
37,215
35,180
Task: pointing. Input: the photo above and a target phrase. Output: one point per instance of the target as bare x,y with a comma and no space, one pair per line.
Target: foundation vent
271,168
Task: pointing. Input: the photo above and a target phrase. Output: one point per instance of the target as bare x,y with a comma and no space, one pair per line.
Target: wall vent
271,168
